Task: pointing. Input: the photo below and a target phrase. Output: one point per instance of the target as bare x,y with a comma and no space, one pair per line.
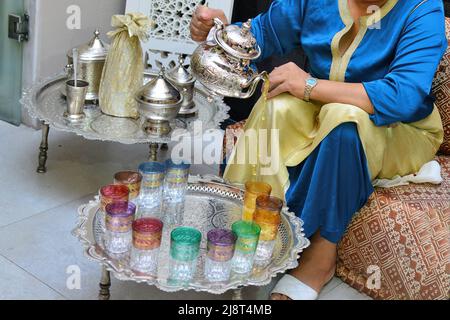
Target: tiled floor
38,212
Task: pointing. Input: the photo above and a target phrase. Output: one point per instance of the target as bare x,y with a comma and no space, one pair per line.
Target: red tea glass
113,193
147,236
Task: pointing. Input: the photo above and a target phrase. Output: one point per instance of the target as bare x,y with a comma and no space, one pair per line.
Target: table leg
43,149
105,285
237,295
154,147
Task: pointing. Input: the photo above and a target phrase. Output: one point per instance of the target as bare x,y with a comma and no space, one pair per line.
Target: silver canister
92,57
76,98
185,83
159,103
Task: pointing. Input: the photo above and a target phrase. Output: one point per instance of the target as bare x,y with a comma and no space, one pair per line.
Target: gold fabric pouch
124,67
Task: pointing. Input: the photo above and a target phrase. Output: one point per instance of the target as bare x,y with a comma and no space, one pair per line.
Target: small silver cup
76,98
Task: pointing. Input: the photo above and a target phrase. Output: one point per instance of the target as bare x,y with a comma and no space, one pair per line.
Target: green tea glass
184,252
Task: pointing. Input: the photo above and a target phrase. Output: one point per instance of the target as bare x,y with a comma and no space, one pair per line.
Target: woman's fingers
207,15
282,88
197,34
203,21
204,26
275,80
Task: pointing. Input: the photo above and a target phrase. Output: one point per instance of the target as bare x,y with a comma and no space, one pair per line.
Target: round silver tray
46,102
209,204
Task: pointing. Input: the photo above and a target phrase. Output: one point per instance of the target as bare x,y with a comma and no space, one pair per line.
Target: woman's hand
202,22
288,78
292,79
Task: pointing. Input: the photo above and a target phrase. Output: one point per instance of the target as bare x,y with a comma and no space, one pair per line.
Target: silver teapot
223,65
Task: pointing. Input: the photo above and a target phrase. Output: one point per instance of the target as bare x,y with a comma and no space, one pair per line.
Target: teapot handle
219,24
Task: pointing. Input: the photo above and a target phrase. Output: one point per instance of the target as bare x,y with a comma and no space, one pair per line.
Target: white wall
50,39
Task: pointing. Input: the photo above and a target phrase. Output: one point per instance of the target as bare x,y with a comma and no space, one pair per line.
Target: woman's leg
326,191
317,265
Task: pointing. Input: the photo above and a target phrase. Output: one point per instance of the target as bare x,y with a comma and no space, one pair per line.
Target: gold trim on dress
341,61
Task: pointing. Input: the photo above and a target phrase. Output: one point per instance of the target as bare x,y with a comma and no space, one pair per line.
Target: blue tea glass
175,188
150,198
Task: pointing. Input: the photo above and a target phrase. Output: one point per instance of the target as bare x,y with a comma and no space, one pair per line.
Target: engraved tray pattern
46,102
210,203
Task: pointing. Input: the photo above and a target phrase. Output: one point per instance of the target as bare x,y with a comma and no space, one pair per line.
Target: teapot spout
250,86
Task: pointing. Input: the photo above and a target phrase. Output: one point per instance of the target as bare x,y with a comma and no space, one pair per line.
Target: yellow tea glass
268,217
253,190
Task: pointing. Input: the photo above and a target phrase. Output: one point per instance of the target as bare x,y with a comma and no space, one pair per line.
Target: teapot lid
95,50
159,91
179,74
236,41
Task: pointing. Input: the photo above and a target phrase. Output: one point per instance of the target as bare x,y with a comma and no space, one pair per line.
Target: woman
362,111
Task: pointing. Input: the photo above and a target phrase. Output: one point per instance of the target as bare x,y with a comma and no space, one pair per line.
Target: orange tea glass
268,217
253,190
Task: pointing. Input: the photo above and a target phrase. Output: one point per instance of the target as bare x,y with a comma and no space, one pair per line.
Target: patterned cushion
404,233
441,88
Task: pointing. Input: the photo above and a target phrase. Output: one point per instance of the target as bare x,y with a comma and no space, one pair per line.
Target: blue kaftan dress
395,56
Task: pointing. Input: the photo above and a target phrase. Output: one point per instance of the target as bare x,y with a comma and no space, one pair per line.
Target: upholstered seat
403,234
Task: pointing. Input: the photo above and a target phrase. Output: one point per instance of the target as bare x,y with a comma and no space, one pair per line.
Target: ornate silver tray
210,204
46,102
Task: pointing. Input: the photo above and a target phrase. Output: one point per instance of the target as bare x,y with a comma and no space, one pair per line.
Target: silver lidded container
181,78
224,64
92,57
159,104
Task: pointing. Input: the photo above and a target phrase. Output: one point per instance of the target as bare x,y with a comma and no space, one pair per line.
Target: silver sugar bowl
181,78
92,57
223,65
159,104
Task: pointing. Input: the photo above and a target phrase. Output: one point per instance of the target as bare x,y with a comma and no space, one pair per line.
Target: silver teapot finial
181,59
162,71
246,27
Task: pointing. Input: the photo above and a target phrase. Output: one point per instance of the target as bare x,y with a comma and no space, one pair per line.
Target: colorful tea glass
184,252
175,187
248,234
119,222
221,247
253,190
113,193
150,198
147,236
268,217
130,179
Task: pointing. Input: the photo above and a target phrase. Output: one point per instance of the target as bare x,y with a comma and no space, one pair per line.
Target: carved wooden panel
171,34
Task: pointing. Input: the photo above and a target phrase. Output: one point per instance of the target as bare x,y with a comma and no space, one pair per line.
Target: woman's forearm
341,92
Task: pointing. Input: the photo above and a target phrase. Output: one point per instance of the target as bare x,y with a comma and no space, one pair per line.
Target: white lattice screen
171,35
